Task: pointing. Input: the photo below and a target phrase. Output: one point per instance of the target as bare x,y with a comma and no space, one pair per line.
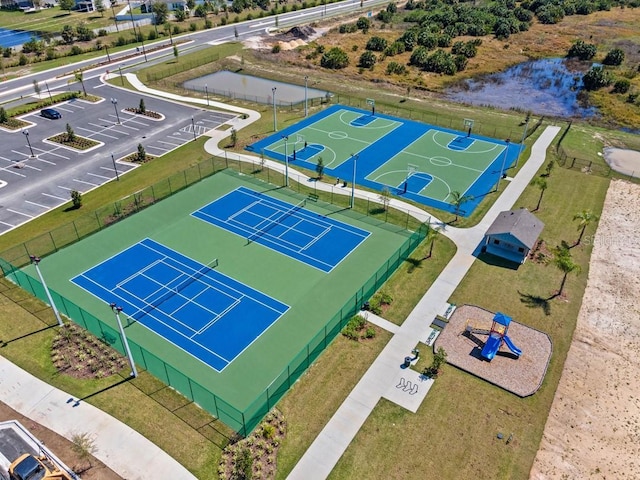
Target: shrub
395,68
193,27
102,32
376,44
75,50
23,60
276,48
335,59
614,57
621,86
582,50
76,199
3,115
352,329
363,24
71,135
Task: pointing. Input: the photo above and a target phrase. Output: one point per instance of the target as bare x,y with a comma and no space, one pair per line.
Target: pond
545,87
254,89
11,38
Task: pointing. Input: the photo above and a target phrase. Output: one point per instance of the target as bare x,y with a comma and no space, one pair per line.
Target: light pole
504,161
353,180
114,167
206,91
275,121
115,107
26,134
121,77
116,310
35,261
306,108
286,161
524,137
108,56
193,125
49,92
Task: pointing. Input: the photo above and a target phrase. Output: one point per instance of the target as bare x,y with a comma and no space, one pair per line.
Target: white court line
53,196
36,204
99,176
86,183
19,213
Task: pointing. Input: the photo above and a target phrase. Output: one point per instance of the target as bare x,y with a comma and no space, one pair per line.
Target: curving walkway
134,457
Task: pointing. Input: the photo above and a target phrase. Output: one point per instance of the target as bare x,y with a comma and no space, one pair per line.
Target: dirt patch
521,376
61,447
623,161
593,429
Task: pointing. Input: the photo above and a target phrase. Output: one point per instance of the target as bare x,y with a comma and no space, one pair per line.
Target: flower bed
146,113
77,142
14,124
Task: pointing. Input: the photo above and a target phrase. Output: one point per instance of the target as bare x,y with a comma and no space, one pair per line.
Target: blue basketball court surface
427,164
208,314
292,230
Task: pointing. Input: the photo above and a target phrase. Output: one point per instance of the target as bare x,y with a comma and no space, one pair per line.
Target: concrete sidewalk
381,379
119,447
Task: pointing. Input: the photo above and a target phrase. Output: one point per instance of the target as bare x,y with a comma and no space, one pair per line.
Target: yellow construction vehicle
28,467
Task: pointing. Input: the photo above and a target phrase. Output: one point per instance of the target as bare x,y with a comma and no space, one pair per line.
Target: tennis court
311,238
209,315
413,160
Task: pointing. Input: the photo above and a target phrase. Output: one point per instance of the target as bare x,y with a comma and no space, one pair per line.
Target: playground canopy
502,319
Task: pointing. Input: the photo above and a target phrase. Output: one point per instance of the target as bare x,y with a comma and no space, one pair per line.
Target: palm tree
432,233
585,217
80,78
458,199
562,261
541,183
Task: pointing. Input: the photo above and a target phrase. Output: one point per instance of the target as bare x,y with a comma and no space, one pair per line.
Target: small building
513,235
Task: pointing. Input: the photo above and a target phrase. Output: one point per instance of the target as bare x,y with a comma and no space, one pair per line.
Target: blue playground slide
491,347
511,346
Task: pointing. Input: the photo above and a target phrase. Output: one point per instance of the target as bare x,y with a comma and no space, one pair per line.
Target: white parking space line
108,169
20,153
19,213
45,161
65,188
86,183
11,170
53,196
169,143
75,105
99,176
36,204
65,109
158,148
52,152
209,121
97,133
131,120
7,224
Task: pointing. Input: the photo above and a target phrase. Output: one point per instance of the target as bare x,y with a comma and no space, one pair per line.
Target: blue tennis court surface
210,315
289,229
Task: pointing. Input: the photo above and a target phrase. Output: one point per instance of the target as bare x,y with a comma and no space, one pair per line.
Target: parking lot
37,175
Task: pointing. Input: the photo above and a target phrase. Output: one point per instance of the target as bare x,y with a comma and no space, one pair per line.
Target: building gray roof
521,223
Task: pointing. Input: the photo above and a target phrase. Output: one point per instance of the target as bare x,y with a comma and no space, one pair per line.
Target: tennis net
167,291
275,221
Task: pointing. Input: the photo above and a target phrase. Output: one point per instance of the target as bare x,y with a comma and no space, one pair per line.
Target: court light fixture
35,261
116,310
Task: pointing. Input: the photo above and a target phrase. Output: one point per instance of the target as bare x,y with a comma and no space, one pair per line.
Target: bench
313,197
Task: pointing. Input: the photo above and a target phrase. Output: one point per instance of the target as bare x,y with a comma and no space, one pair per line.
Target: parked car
50,113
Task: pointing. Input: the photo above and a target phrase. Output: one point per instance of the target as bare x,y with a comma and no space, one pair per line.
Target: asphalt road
32,185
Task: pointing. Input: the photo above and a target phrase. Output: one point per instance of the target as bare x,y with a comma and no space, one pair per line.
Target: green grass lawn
52,20
453,434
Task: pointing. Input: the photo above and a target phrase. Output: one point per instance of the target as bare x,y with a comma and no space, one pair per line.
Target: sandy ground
593,429
623,161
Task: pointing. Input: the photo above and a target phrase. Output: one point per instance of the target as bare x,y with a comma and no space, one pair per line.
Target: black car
50,113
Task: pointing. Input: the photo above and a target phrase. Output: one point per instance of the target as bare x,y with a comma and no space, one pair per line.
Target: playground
503,352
